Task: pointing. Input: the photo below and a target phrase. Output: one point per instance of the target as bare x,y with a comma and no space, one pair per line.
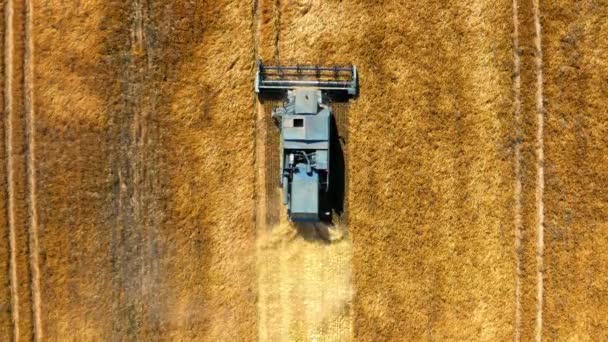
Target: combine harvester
304,121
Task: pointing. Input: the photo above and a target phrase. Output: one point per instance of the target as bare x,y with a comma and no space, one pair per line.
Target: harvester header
279,78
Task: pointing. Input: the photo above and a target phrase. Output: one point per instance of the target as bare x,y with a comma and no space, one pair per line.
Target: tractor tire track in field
304,271
31,171
517,169
8,133
20,172
529,170
540,181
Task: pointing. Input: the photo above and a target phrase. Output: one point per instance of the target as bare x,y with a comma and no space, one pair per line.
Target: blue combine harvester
305,121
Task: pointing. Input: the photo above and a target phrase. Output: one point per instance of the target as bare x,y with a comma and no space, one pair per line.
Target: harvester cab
304,121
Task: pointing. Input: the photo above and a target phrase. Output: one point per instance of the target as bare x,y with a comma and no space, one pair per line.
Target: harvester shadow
333,202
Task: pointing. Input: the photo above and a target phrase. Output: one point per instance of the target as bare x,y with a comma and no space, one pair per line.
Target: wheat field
139,172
